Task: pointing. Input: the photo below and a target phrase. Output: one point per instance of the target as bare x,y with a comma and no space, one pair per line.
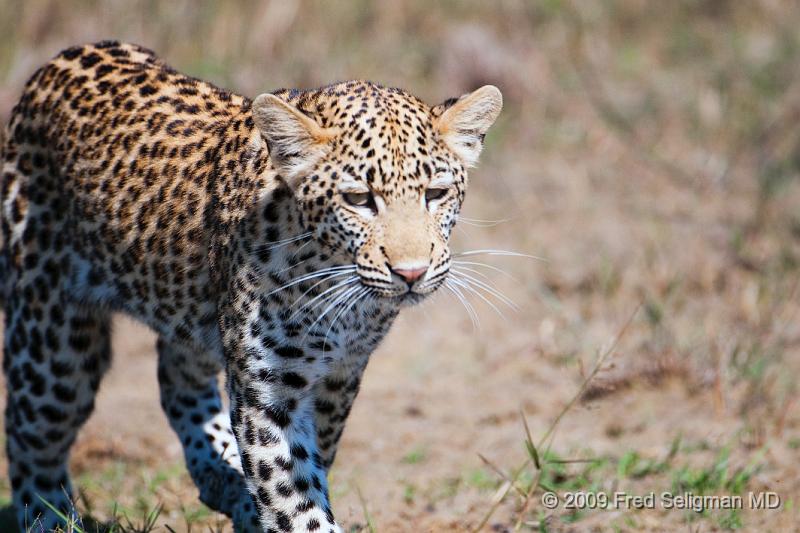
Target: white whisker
490,267
291,266
474,271
480,223
317,284
486,287
354,299
340,297
461,283
338,285
505,253
312,275
473,316
283,242
294,254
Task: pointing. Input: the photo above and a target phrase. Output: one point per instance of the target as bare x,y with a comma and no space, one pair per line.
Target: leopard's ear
295,140
464,122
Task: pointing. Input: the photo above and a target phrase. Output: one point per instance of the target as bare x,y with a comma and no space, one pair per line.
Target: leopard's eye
358,199
434,194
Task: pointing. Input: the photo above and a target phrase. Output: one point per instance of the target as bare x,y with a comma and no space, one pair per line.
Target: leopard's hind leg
55,355
55,349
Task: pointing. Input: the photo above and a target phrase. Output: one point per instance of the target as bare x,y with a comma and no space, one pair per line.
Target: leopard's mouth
401,293
404,297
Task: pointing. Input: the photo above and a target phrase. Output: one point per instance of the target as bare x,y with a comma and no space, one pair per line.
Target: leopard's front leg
333,399
272,411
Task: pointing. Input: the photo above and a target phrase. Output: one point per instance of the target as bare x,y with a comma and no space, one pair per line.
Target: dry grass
648,151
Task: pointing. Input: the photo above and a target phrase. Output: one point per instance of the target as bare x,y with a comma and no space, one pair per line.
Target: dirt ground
649,156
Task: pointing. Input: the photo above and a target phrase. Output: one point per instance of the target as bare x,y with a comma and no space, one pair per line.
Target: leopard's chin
410,299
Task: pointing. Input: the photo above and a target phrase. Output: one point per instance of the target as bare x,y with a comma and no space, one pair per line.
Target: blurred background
648,152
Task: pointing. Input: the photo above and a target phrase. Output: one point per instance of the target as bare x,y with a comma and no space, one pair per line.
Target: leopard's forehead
387,137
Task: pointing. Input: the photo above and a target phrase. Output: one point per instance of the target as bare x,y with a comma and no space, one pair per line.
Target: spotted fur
276,239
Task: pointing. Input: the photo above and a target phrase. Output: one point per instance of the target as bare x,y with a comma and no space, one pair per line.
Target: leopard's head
379,176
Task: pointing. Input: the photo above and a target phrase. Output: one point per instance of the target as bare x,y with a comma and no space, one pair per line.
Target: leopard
271,240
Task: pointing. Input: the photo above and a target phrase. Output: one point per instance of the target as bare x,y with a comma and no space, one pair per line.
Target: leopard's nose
410,272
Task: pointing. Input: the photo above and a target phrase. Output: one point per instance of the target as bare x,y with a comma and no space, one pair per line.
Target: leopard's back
109,168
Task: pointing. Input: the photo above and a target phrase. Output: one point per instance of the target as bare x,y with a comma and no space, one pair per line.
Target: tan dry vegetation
647,150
